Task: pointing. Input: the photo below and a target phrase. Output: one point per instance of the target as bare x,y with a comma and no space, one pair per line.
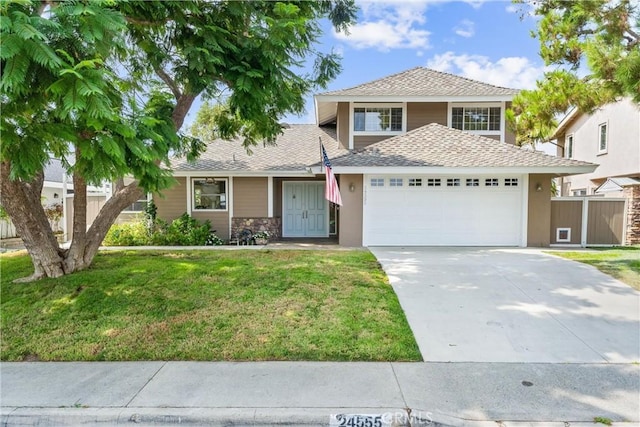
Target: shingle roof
435,145
432,145
296,149
424,82
54,171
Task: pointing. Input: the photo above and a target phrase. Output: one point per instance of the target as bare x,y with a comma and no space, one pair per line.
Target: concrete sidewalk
308,393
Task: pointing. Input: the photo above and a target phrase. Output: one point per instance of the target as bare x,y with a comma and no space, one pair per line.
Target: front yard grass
206,305
622,263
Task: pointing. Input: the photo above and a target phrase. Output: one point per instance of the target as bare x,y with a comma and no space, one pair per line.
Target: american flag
331,190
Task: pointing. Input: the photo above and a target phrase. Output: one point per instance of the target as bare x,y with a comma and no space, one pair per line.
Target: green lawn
621,263
206,305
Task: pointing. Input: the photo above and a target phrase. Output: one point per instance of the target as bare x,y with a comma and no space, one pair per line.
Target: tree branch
181,109
143,22
168,81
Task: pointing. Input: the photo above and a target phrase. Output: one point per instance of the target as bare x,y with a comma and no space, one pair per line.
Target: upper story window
602,138
476,118
377,119
209,194
569,147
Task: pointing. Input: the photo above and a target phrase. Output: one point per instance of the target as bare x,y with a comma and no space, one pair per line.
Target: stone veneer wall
632,194
271,225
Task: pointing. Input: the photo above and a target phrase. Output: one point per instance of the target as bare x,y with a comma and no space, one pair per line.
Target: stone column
632,194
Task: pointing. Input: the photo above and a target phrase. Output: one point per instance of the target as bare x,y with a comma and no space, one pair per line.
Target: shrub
183,231
133,233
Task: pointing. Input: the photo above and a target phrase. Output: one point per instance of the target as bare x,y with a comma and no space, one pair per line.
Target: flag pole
321,157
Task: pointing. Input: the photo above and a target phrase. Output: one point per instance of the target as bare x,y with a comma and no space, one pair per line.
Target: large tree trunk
82,251
21,200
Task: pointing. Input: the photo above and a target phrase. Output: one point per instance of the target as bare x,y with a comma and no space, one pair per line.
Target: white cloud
512,8
476,4
465,28
389,25
515,71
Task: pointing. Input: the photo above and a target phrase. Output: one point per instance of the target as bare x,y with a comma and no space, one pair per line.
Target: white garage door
443,210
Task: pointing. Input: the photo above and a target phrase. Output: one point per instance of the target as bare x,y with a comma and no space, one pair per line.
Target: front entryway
304,209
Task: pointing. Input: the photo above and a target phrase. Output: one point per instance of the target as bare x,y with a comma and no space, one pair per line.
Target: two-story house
610,137
422,158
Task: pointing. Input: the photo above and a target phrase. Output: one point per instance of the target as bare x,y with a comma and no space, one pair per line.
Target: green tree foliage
601,34
105,86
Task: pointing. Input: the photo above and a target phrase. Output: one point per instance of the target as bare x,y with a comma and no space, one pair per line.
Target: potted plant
261,237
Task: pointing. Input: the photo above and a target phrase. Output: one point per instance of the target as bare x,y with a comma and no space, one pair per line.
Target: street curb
243,417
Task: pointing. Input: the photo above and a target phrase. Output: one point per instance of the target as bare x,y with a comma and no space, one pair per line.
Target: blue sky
482,40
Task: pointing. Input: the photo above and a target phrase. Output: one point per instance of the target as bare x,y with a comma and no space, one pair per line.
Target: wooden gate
587,221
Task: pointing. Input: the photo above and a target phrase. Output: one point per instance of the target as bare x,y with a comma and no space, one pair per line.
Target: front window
139,205
476,118
209,194
377,119
602,138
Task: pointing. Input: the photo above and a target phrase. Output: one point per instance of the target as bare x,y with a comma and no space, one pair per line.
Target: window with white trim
209,194
139,205
395,182
602,138
476,118
473,182
569,147
377,119
415,182
453,182
377,182
511,182
491,182
433,182
579,192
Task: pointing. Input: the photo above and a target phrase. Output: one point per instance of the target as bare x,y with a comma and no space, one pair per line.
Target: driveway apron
512,305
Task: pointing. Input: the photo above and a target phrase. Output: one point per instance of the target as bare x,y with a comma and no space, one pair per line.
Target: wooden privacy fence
588,221
7,229
94,204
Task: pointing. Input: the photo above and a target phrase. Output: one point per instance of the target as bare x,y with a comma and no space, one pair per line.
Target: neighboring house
58,189
610,137
421,157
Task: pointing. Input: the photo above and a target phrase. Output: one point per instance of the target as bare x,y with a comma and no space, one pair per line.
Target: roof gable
424,82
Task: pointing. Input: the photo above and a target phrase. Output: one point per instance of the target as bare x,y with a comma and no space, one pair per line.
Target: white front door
304,209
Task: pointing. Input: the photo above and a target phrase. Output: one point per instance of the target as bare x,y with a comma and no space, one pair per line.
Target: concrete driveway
512,305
